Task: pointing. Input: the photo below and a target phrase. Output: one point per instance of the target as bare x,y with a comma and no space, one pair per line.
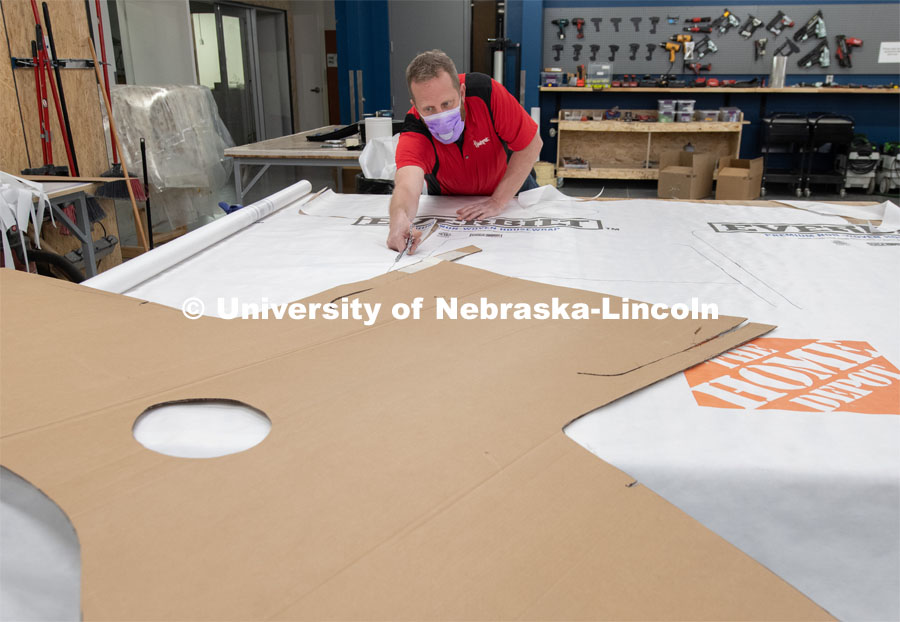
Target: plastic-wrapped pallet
186,140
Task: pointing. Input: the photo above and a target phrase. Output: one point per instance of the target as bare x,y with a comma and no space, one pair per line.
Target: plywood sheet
70,30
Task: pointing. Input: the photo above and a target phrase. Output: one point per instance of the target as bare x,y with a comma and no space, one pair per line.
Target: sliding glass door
246,70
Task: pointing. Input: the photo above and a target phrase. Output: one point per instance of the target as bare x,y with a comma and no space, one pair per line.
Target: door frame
252,54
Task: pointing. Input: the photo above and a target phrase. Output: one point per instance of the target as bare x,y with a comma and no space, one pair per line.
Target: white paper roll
498,66
379,127
122,278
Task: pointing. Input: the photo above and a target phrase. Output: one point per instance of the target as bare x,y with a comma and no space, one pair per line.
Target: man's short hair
429,65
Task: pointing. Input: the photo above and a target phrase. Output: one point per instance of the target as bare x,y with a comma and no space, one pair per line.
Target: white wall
311,19
157,42
418,26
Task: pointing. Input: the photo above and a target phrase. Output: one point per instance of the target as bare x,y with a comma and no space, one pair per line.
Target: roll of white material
379,127
122,278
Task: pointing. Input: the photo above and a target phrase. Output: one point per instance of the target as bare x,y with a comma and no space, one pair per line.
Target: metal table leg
87,247
255,179
82,230
238,192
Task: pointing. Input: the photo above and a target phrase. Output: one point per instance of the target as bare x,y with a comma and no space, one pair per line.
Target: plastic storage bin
729,115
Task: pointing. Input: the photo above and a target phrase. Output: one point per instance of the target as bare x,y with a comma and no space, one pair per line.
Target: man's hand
400,233
483,209
408,184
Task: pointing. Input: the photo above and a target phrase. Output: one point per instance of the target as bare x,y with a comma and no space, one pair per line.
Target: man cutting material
465,135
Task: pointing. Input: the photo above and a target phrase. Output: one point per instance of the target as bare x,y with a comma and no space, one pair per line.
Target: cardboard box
434,485
739,179
685,175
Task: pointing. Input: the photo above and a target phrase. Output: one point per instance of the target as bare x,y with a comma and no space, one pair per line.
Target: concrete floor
634,189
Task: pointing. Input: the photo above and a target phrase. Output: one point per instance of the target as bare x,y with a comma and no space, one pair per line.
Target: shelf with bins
729,89
630,149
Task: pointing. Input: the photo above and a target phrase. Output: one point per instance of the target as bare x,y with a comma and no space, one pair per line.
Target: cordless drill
561,24
697,68
578,22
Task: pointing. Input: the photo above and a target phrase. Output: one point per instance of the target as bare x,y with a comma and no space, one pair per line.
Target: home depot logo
799,374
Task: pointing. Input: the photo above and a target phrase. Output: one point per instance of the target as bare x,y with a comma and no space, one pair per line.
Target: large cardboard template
415,469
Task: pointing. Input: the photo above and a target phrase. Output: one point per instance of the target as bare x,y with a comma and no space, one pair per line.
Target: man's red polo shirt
478,166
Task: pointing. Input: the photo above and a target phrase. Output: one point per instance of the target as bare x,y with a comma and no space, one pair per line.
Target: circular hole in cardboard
201,428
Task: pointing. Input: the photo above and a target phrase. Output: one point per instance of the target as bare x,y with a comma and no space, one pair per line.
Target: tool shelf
630,149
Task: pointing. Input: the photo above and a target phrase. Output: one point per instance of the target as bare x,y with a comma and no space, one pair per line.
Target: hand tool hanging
112,141
40,109
49,168
577,49
73,160
815,26
578,22
138,224
43,112
778,23
44,64
42,45
634,47
820,55
759,48
561,23
845,45
147,188
750,27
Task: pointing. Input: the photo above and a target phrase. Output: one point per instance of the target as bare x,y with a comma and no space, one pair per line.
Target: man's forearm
517,171
403,203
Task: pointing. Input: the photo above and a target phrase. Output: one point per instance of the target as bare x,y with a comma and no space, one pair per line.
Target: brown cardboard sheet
415,469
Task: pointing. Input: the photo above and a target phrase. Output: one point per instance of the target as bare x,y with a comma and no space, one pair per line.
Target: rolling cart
786,136
834,130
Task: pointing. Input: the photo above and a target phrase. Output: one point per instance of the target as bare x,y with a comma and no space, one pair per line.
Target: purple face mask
446,126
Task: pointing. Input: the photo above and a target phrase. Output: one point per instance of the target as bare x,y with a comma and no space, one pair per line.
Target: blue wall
363,41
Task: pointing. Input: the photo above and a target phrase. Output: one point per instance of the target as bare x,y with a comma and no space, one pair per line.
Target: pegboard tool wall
871,22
